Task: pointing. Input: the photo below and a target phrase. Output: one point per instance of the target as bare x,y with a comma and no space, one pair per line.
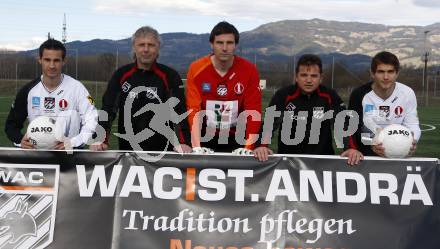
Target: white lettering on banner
20,177
186,220
273,228
211,185
220,188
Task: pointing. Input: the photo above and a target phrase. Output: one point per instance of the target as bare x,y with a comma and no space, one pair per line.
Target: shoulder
166,69
361,90
200,63
242,62
124,69
404,88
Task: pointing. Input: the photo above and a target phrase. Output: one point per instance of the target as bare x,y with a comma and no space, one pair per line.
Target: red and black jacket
290,101
162,83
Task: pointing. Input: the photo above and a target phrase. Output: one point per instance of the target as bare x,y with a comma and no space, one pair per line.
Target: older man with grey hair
139,91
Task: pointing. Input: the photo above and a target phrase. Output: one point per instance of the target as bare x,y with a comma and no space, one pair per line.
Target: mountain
354,42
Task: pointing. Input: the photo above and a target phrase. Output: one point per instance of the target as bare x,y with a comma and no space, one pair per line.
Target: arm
252,102
88,118
411,120
193,103
17,116
110,101
178,91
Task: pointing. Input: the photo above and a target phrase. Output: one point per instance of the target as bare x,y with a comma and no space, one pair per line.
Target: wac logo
28,200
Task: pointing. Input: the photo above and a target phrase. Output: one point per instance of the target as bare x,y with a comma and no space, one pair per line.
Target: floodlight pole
425,70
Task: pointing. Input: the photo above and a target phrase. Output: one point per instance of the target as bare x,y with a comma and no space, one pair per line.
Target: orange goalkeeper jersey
223,97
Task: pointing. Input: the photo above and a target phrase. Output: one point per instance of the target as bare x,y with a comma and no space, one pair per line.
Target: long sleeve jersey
290,101
70,101
159,84
376,113
223,98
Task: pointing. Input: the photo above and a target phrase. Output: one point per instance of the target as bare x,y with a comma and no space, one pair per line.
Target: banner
115,200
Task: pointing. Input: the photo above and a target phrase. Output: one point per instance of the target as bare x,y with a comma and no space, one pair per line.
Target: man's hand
378,149
262,153
202,150
98,146
65,144
26,144
182,148
354,156
242,151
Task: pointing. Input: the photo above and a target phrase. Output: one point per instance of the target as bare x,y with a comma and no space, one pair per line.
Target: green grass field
428,145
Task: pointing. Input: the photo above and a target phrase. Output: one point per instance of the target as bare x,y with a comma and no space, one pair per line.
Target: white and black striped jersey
376,113
70,102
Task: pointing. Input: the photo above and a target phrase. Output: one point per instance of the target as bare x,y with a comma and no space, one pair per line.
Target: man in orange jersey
226,87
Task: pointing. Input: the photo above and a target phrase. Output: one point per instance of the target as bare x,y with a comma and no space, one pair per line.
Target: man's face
51,63
385,76
223,47
147,50
308,78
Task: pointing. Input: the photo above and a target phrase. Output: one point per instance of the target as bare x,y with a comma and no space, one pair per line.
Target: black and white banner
119,200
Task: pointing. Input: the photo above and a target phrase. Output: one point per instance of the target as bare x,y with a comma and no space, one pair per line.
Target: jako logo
18,223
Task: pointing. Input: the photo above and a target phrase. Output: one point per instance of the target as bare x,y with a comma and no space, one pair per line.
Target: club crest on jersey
206,87
398,111
126,87
49,103
222,90
318,112
290,107
63,104
238,88
384,111
28,219
151,92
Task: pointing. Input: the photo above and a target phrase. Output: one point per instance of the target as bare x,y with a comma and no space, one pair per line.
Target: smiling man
382,102
225,86
56,95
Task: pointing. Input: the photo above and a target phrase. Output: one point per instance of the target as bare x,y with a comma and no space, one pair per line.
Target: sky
25,24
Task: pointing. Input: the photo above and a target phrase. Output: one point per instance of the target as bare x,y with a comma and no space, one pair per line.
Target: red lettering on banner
177,244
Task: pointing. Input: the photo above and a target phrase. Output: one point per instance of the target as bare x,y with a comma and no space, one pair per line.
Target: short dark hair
52,44
385,57
308,60
224,28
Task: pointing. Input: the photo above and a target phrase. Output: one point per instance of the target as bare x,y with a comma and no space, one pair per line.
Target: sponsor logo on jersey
238,88
60,92
63,104
29,194
398,111
318,112
91,100
395,98
369,108
384,111
151,92
206,87
222,90
221,114
290,107
126,87
49,103
35,102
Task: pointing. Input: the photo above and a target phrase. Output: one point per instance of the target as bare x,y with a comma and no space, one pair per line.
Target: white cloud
32,43
392,12
427,3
